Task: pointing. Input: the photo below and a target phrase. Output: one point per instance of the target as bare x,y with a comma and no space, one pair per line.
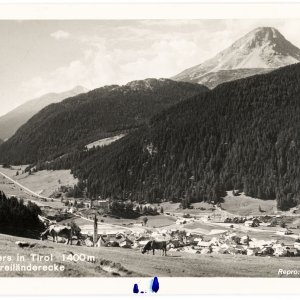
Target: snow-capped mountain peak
262,48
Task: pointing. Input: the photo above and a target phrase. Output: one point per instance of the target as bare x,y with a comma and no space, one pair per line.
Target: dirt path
25,188
49,199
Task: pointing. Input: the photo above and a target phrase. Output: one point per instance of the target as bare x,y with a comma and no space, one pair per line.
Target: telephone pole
95,237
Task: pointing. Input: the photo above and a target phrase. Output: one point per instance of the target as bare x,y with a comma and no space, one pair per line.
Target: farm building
101,242
103,204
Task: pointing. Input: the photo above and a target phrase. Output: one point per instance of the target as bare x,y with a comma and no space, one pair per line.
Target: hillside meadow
128,262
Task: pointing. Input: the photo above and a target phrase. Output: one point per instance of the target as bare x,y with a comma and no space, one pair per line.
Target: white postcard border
168,286
106,11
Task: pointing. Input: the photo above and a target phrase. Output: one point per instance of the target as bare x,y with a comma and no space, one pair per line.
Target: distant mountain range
183,141
261,50
10,122
85,118
243,135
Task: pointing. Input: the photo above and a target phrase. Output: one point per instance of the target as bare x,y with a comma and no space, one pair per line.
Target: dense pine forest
18,218
243,135
73,123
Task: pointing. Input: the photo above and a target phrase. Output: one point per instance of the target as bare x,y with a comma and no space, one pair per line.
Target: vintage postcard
149,148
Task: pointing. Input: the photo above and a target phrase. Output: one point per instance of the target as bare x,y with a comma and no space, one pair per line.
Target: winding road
24,187
47,198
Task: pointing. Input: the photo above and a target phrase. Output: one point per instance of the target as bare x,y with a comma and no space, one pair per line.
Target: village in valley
149,148
202,229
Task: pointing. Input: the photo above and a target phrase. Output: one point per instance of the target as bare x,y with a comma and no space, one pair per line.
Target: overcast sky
37,57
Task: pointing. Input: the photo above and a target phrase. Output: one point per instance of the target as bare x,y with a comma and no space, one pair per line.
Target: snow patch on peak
261,48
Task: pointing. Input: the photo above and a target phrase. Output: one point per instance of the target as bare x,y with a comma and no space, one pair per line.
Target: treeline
73,123
243,135
123,209
126,209
64,162
18,218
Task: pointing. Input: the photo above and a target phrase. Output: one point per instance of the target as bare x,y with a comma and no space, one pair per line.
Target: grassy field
153,221
10,189
126,262
110,225
238,205
204,228
106,141
159,221
199,208
43,182
245,206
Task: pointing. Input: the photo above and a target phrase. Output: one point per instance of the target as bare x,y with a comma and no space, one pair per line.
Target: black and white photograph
150,148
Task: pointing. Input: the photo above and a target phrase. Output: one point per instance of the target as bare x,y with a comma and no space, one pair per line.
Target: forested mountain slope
16,218
10,122
74,122
242,135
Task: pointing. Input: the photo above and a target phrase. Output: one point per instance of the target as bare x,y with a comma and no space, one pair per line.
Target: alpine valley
176,140
203,168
